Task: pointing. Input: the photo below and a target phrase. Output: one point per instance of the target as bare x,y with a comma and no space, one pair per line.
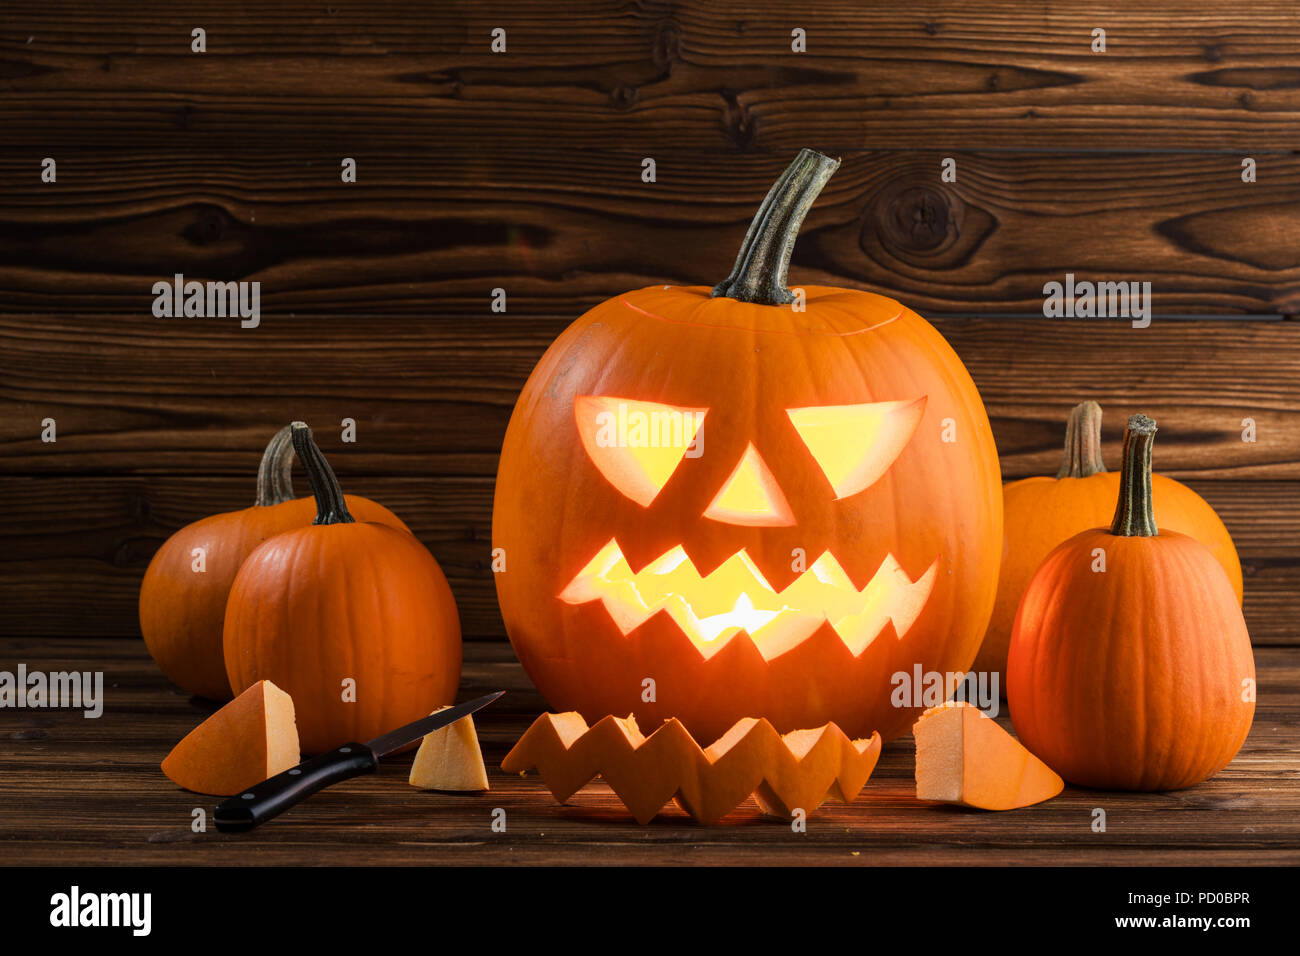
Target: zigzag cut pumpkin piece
810,756
249,739
963,756
783,773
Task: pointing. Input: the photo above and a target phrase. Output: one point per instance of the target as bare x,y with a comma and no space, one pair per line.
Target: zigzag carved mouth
735,597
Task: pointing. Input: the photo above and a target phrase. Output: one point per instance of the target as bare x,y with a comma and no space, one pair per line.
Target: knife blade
276,794
387,743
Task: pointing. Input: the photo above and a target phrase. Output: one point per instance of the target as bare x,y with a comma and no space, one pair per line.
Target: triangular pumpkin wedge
964,757
450,759
251,738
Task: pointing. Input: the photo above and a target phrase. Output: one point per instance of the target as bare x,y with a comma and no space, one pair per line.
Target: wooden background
522,171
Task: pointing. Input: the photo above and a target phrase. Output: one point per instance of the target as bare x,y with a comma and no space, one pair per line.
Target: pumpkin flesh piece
963,756
450,759
249,739
647,772
815,755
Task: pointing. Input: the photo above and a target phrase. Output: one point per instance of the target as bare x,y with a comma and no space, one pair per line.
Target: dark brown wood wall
523,171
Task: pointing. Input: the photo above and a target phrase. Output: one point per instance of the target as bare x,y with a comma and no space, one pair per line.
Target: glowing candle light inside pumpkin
735,597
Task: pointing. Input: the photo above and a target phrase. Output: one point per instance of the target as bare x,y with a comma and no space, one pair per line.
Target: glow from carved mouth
711,609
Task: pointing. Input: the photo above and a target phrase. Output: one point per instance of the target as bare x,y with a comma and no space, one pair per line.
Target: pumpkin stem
759,274
1082,442
330,507
1134,517
275,473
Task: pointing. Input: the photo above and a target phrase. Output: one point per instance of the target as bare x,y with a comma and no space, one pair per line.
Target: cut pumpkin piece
797,771
249,739
450,759
810,757
963,756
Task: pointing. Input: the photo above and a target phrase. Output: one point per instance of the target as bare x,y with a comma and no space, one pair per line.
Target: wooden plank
433,395
718,75
75,547
83,792
561,229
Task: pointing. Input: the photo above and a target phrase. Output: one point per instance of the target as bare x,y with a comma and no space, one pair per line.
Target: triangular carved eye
637,445
856,444
751,496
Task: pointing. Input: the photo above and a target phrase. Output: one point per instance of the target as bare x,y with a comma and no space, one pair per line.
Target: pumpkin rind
182,611
1138,677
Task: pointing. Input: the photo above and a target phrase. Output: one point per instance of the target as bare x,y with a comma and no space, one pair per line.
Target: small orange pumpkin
1042,512
353,619
1135,674
183,594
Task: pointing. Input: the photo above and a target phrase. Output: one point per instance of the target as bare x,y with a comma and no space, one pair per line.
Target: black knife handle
276,794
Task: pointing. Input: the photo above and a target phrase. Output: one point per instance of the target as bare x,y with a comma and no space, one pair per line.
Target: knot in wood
918,218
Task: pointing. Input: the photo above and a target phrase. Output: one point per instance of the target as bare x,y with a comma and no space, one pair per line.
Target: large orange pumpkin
183,595
1042,512
738,502
353,619
1135,673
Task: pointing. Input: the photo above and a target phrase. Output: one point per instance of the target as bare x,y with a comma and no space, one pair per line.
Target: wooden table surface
86,792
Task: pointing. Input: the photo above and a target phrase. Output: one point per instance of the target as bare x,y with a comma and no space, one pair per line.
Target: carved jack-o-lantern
725,503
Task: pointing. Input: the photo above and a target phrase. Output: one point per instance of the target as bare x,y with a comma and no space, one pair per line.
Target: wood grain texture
433,395
521,171
561,228
715,76
74,549
89,792
162,422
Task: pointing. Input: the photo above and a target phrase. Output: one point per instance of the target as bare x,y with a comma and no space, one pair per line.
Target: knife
276,794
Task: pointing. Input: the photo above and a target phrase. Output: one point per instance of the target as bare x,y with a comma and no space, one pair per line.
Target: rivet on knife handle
273,796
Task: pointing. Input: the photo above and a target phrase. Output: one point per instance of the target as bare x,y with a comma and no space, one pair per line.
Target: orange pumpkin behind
1042,512
182,608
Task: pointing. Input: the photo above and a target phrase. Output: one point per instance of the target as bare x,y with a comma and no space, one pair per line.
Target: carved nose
751,496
